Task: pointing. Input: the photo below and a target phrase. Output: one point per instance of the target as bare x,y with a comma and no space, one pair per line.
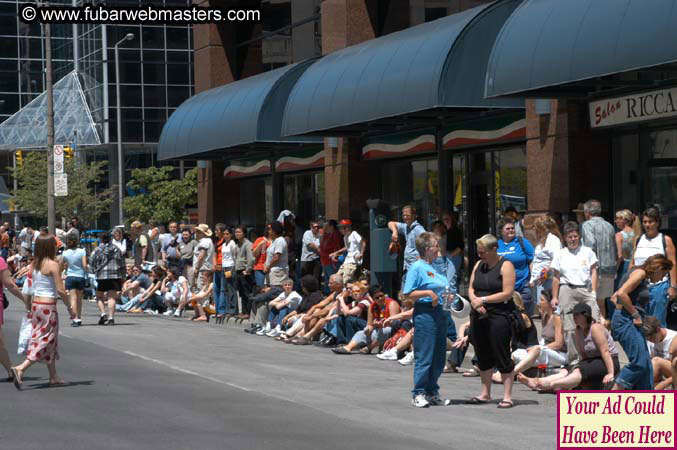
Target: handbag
24,335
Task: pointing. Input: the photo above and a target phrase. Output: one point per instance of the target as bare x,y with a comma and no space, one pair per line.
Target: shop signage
633,108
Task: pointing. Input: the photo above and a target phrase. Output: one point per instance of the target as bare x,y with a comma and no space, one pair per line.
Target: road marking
188,372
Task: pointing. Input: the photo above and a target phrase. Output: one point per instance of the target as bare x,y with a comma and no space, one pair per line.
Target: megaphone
460,307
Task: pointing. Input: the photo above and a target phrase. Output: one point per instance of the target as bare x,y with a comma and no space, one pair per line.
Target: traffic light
68,151
19,158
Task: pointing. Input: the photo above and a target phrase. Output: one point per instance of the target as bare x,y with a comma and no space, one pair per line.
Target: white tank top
44,286
648,247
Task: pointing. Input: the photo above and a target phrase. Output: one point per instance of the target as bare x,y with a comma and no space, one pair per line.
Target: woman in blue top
75,263
424,287
520,253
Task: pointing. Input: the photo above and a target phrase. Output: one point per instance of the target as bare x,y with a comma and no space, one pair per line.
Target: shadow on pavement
66,384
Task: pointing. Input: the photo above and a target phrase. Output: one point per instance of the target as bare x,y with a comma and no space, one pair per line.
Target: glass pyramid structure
27,128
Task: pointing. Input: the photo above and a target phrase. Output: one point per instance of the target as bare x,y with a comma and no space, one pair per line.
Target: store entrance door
481,200
663,192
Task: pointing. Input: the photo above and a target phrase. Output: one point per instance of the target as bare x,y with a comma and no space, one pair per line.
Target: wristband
636,315
484,301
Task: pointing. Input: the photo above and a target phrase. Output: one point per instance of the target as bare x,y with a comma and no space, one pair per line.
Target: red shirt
379,313
329,243
217,252
258,264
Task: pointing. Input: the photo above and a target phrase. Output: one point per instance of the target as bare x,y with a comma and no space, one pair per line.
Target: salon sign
633,108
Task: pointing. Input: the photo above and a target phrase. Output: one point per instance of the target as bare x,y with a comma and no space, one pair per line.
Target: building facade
156,76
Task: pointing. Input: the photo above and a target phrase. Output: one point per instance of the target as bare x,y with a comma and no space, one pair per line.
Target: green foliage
83,200
159,197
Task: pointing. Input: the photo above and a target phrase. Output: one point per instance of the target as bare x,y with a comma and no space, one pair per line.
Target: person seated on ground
174,289
663,350
150,300
133,290
403,351
347,318
135,285
201,300
313,322
312,295
525,336
458,350
375,333
287,301
551,351
599,357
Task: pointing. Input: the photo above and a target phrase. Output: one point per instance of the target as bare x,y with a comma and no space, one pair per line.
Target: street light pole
51,210
121,171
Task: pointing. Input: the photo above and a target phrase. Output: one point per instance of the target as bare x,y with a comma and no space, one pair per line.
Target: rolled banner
460,307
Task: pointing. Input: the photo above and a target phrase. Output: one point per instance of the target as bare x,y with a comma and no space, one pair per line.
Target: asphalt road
152,382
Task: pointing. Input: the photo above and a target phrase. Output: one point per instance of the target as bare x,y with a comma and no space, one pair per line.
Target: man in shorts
109,268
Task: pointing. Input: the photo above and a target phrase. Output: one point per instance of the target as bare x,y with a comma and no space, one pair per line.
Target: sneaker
262,331
434,400
110,322
169,312
274,333
177,313
102,319
388,355
76,323
408,359
151,312
420,401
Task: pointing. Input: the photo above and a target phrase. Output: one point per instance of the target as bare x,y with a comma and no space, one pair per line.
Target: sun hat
204,229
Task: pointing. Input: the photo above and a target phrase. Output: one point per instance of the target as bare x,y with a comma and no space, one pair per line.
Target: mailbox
383,265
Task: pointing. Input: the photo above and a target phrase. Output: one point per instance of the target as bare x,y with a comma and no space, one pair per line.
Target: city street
152,382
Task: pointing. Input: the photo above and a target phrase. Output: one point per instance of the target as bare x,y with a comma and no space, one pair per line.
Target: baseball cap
582,308
345,222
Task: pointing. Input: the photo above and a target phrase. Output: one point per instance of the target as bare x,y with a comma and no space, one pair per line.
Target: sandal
450,368
471,373
301,341
17,379
504,404
341,351
476,401
201,319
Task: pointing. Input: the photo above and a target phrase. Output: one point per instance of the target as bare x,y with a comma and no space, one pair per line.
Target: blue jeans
259,278
219,292
454,271
276,316
230,291
430,347
638,372
344,328
658,301
328,271
527,295
451,328
622,269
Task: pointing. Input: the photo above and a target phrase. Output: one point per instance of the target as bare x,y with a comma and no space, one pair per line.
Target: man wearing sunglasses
310,251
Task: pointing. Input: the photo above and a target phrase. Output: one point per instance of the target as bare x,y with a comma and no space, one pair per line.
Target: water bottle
447,298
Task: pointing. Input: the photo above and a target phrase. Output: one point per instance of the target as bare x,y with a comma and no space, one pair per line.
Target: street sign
58,159
60,185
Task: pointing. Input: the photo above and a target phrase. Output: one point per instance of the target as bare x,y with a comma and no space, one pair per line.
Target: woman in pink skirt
47,288
8,283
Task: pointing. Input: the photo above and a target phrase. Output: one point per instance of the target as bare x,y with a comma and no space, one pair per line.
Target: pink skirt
43,346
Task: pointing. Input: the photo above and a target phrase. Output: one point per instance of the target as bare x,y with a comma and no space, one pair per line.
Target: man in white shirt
663,350
353,247
310,251
574,281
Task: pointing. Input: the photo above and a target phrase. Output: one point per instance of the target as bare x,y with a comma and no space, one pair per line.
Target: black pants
491,339
244,284
313,268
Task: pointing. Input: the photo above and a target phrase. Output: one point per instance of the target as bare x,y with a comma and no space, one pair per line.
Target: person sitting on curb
150,300
375,333
663,350
201,299
312,323
175,292
278,308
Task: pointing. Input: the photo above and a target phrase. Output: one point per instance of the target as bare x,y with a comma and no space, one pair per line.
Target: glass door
662,177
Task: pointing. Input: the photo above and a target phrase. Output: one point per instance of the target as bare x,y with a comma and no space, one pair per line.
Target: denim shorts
75,283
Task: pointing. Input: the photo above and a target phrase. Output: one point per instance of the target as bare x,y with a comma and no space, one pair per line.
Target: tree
85,197
157,197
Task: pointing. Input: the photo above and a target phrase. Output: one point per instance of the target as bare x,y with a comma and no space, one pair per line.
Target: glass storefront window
302,195
511,179
662,180
256,202
625,160
663,144
414,182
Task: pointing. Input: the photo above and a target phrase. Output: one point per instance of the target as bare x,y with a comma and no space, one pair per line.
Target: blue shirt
512,251
74,259
410,234
423,276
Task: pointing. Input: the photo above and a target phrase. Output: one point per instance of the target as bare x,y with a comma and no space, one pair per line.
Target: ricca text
101,14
